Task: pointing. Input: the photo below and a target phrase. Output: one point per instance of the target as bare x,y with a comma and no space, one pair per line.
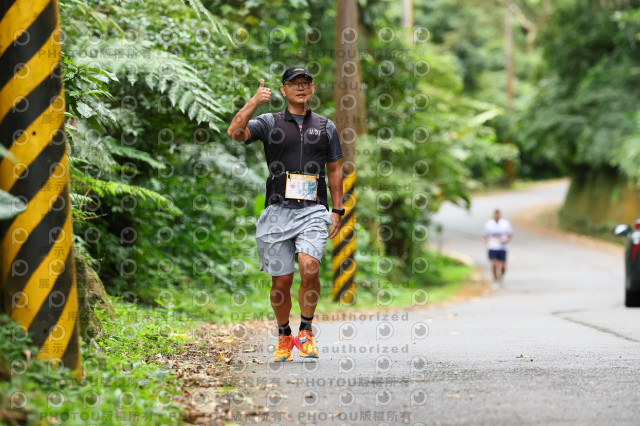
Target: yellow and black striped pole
350,122
343,263
37,273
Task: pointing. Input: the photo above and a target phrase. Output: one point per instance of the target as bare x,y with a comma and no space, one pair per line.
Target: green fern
83,248
225,162
167,73
217,26
80,199
127,123
104,188
84,18
132,153
89,148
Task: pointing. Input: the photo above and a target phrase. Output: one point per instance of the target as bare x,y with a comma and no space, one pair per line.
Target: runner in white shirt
497,233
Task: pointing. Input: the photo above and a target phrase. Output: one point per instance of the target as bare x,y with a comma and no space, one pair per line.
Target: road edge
528,220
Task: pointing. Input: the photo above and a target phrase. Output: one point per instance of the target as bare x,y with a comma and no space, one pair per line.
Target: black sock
305,324
284,329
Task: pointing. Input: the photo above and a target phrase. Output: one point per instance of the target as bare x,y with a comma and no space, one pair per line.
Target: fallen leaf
250,350
257,361
454,395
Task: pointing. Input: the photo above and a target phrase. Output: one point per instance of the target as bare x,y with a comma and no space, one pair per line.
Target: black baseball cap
295,71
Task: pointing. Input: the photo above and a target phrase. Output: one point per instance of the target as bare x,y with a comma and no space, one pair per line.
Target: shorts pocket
262,216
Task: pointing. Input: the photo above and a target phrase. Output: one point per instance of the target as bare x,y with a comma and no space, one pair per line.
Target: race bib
301,187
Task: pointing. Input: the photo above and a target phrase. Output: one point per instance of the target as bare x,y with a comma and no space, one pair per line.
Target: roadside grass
516,185
125,376
442,281
550,219
520,184
416,291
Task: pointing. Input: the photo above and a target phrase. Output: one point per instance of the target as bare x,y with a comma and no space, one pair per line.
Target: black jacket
287,149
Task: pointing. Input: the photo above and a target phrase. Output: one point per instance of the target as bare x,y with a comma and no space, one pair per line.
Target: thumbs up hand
263,94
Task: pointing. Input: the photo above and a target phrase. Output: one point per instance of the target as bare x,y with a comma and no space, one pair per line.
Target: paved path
553,346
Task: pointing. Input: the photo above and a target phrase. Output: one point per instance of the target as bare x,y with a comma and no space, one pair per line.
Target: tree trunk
348,95
91,293
509,167
407,19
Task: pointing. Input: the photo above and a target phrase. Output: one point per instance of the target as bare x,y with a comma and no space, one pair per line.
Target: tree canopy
585,113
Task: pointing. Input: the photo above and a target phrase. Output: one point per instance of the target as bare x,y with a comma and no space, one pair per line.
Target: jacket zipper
301,144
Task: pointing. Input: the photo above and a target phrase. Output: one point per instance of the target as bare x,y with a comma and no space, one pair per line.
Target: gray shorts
281,232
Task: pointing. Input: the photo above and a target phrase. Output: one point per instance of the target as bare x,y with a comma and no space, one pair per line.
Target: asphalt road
554,345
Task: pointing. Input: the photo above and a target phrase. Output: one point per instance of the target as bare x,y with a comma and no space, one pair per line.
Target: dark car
632,262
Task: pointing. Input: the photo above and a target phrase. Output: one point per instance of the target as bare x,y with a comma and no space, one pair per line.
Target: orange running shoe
283,350
307,348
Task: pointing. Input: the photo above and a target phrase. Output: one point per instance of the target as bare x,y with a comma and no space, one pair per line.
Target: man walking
298,144
497,233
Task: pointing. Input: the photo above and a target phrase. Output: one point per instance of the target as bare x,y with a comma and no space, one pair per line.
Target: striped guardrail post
344,244
36,265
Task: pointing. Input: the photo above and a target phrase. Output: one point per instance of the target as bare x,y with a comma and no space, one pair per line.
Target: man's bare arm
238,130
334,173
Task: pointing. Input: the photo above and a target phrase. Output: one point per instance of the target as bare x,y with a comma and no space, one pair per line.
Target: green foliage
84,87
584,116
161,71
126,382
431,145
628,154
137,332
115,189
472,32
142,82
440,280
